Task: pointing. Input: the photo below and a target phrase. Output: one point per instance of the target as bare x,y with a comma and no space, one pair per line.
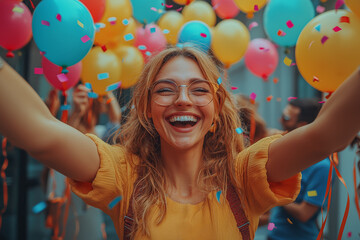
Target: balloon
101,69
96,8
261,57
183,2
51,72
131,60
201,11
127,37
284,20
354,6
326,55
171,21
15,25
230,41
150,40
196,32
63,30
148,11
250,6
225,9
111,25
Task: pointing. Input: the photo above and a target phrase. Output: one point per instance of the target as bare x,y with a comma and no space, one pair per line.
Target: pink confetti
290,98
252,96
168,6
58,17
315,79
252,25
85,38
320,9
234,88
293,64
324,39
203,35
154,9
46,23
256,8
349,234
179,9
322,102
336,29
62,77
271,226
289,24
338,4
38,71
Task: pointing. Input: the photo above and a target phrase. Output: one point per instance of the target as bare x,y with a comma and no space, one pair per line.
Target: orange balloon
183,2
111,25
200,10
132,62
250,6
130,29
354,6
171,21
100,69
328,49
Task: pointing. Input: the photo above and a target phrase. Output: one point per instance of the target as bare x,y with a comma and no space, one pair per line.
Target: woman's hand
80,100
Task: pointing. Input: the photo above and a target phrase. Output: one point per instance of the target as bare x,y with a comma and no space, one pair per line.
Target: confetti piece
289,221
38,71
125,22
80,24
324,39
114,202
203,35
289,24
239,130
142,47
65,107
147,53
234,88
92,95
337,28
275,80
345,19
18,9
103,48
318,27
312,193
62,77
41,206
166,31
216,6
264,49
58,17
109,100
85,38
100,25
269,98
252,96
102,76
338,4
292,64
349,234
152,30
281,33
271,226
46,23
320,9
291,98
322,102
256,8
168,6
252,25
219,80
88,86
112,87
112,19
128,37
153,9
287,61
218,194
179,9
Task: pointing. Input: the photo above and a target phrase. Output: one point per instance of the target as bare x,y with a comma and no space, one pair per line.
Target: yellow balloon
183,2
328,49
130,29
200,10
132,62
100,69
354,6
171,21
230,40
250,6
111,25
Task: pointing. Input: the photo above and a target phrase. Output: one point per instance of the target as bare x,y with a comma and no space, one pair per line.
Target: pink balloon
58,80
225,9
261,57
149,40
15,25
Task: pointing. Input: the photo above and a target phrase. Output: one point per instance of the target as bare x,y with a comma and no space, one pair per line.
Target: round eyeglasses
166,92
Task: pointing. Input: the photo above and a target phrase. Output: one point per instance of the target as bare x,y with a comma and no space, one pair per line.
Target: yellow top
210,219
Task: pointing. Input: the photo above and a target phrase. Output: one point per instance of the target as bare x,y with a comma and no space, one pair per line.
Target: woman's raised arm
336,125
28,124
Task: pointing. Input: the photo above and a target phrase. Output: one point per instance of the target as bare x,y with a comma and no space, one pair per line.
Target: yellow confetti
18,9
312,193
289,221
287,61
80,24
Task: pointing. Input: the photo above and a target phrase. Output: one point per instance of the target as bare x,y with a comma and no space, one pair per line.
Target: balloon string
65,112
355,191
32,4
3,177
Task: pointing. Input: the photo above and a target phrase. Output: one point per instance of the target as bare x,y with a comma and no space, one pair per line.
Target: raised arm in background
335,127
29,125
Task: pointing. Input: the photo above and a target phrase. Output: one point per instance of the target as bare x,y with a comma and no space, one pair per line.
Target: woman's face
183,124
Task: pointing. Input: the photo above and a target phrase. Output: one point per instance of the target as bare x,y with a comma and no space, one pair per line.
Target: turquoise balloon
148,11
284,20
197,33
63,30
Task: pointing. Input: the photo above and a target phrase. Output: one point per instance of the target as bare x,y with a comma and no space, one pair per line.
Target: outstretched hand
80,100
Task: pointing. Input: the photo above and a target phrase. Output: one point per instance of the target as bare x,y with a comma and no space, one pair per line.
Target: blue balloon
197,33
63,30
148,11
284,20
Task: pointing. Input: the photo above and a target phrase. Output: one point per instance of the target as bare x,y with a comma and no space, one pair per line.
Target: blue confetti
152,30
165,31
239,130
219,81
41,206
218,194
142,47
112,87
88,85
98,26
92,95
114,202
125,22
318,27
102,76
65,107
148,53
128,37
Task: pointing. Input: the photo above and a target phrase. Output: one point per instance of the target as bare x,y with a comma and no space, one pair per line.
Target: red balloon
15,25
51,72
225,9
96,8
261,57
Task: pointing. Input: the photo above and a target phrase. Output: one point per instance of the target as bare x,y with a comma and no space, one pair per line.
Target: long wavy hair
140,137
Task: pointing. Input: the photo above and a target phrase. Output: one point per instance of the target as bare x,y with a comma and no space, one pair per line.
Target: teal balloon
285,19
148,11
63,30
196,33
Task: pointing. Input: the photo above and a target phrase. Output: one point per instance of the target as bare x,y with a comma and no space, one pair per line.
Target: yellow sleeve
259,194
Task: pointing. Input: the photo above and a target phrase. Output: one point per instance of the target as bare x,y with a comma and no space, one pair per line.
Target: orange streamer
64,115
355,191
3,176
